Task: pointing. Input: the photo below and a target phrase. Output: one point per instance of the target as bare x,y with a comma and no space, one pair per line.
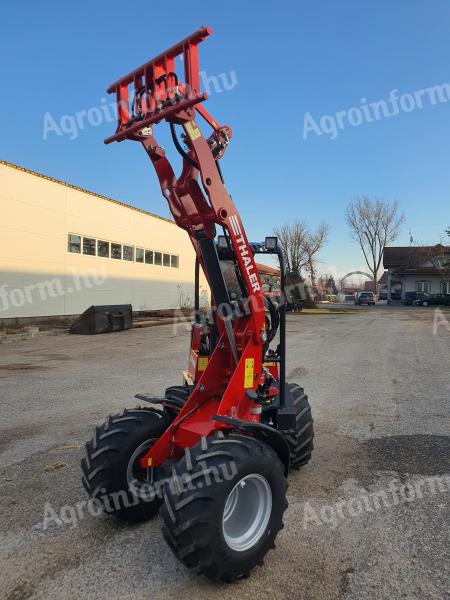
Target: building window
116,251
140,255
445,287
74,243
102,248
128,253
423,287
94,247
89,246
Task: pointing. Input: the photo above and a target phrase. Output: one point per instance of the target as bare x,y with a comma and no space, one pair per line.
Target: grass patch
333,311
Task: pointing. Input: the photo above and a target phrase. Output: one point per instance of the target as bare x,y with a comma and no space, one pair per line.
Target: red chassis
198,202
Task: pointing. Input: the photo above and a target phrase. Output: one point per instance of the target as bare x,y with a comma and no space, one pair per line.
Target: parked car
433,300
410,297
365,298
441,299
383,295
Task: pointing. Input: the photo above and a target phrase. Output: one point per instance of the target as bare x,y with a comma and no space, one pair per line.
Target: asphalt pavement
367,518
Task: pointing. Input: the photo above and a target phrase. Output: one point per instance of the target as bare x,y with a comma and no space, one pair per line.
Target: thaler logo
245,253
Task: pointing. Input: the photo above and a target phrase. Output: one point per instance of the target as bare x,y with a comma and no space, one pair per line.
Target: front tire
224,508
300,439
111,473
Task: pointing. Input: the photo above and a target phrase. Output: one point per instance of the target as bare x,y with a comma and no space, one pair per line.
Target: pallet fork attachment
157,92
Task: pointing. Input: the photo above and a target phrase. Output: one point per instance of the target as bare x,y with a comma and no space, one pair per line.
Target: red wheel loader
212,456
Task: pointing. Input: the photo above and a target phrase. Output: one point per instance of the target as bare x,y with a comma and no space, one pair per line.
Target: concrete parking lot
379,383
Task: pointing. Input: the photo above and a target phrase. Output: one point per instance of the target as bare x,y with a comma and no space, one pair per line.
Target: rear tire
300,439
224,509
111,463
175,398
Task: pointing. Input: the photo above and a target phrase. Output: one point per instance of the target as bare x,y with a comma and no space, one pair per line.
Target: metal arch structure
341,281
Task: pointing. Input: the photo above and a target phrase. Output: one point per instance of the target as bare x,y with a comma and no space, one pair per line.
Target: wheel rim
247,512
135,473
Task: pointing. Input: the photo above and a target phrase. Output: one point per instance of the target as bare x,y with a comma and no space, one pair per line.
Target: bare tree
291,239
313,243
374,224
300,247
439,257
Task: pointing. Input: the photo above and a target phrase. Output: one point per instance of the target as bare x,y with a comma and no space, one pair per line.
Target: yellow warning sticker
202,363
249,369
193,131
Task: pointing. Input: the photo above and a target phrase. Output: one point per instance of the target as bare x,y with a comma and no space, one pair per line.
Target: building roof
404,260
79,189
267,270
407,255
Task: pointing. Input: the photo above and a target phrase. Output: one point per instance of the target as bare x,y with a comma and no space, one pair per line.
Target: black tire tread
300,439
102,453
186,515
175,397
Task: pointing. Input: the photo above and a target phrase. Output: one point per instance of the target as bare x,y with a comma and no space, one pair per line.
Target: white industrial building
63,249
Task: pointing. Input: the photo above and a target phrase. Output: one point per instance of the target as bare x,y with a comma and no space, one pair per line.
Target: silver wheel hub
247,512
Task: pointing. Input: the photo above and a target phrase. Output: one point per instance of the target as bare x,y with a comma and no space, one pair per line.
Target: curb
26,335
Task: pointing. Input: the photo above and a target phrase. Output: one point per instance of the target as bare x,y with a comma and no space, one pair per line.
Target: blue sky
281,60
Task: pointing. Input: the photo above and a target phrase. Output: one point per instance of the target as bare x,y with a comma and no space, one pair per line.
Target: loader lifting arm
199,202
